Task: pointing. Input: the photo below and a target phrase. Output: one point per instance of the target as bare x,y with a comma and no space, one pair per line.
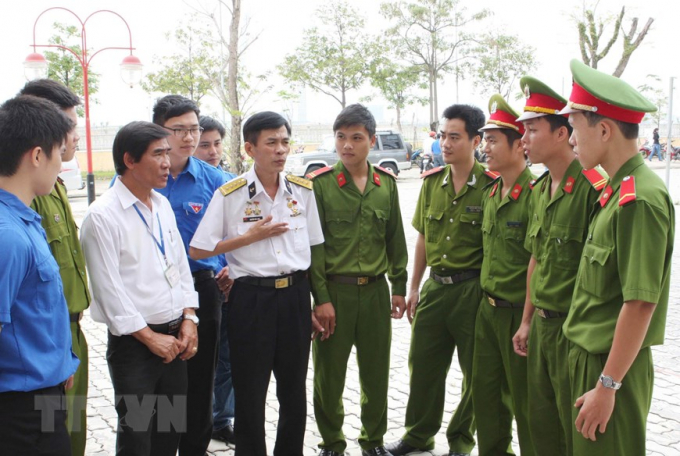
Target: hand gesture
325,315
263,229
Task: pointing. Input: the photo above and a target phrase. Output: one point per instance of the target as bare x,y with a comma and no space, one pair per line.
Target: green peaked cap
606,95
541,100
502,115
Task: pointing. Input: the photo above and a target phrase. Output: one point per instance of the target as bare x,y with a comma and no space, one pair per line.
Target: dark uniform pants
550,403
499,382
33,423
76,397
444,321
363,319
201,371
269,331
150,398
626,432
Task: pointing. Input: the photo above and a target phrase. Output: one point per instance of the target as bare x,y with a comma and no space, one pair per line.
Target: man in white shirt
266,222
143,290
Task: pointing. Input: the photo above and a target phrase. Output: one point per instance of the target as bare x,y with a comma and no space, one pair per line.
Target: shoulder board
491,183
432,172
597,180
386,171
627,192
301,181
319,172
492,174
539,178
233,185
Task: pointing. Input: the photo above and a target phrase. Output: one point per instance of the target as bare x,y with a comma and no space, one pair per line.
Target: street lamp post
131,70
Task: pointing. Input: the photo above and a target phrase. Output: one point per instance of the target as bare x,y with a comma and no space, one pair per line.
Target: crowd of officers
551,288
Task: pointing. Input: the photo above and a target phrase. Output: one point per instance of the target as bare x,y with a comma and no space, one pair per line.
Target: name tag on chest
172,275
252,219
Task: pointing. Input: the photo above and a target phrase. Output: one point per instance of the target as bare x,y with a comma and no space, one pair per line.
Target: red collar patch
516,191
604,199
376,179
342,180
569,185
493,190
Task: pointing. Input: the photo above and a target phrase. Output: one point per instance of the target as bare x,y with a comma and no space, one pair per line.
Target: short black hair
628,130
210,124
510,135
472,116
355,114
134,138
27,122
51,90
172,106
556,122
266,120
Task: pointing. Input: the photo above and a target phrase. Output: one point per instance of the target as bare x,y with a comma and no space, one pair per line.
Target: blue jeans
223,398
438,160
656,150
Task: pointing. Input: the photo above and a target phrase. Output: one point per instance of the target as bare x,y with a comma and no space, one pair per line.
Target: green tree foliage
64,67
501,61
431,34
333,58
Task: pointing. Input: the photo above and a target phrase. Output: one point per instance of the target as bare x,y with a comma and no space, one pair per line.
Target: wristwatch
609,382
191,317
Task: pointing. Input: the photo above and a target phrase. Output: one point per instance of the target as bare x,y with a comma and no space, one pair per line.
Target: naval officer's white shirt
232,215
126,268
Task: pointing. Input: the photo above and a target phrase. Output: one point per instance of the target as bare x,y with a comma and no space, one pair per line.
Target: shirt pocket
339,225
298,227
514,234
381,218
596,273
49,289
257,250
434,225
196,208
470,228
566,245
58,237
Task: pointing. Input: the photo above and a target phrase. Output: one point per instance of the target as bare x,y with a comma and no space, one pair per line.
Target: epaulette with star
533,183
301,181
319,172
386,171
432,172
596,179
233,185
627,192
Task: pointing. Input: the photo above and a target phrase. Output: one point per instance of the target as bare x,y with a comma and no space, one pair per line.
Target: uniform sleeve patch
627,191
232,185
300,181
319,172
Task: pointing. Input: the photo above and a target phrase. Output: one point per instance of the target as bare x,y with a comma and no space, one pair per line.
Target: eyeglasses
182,132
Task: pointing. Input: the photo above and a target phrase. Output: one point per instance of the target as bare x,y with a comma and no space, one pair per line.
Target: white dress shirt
126,267
232,215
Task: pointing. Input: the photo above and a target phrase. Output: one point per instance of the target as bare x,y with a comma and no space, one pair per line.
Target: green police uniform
499,375
555,238
62,235
364,240
445,319
626,257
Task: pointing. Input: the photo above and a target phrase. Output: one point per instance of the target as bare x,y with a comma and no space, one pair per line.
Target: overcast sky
546,25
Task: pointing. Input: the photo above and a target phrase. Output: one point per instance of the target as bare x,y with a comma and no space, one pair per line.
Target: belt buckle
492,301
362,280
281,283
541,313
446,280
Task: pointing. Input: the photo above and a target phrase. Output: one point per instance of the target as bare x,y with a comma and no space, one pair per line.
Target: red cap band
506,119
580,96
545,102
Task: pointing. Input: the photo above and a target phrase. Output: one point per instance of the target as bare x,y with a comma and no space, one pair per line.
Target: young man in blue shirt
36,360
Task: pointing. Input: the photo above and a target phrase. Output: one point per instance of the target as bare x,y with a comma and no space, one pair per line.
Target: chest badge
57,218
253,208
196,207
292,205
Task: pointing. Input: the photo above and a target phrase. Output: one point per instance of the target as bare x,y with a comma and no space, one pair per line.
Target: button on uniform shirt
364,231
626,257
504,269
62,235
450,222
556,235
232,215
189,196
127,269
35,341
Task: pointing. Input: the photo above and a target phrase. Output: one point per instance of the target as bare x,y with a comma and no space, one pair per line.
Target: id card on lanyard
171,272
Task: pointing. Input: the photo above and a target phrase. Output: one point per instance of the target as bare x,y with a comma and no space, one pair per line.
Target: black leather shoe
325,452
400,448
226,434
377,451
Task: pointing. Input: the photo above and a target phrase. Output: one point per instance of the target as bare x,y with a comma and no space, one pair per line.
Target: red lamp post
131,70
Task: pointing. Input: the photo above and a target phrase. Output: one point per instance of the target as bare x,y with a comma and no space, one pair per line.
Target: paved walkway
663,430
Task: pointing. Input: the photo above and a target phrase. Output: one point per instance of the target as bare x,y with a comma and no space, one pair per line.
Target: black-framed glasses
182,132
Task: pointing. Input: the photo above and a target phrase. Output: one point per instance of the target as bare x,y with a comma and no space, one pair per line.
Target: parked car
71,175
390,152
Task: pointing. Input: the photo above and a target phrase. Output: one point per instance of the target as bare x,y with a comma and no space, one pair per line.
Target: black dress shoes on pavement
377,451
226,434
401,448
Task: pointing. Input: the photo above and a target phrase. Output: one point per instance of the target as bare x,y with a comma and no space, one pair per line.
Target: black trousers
150,398
201,371
269,331
33,423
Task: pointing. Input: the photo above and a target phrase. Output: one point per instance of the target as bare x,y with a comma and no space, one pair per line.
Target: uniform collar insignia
516,191
493,190
342,180
252,190
473,181
288,187
604,199
376,179
569,185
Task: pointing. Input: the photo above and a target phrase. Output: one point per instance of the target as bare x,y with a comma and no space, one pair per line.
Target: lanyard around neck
160,245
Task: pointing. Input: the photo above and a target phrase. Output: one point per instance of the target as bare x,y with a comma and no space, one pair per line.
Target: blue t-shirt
436,147
189,196
35,341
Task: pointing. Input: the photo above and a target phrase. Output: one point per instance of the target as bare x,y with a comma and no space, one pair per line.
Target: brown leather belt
354,280
171,327
550,313
497,302
454,278
283,281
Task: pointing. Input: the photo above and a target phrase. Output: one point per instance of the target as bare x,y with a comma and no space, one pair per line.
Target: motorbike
427,162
